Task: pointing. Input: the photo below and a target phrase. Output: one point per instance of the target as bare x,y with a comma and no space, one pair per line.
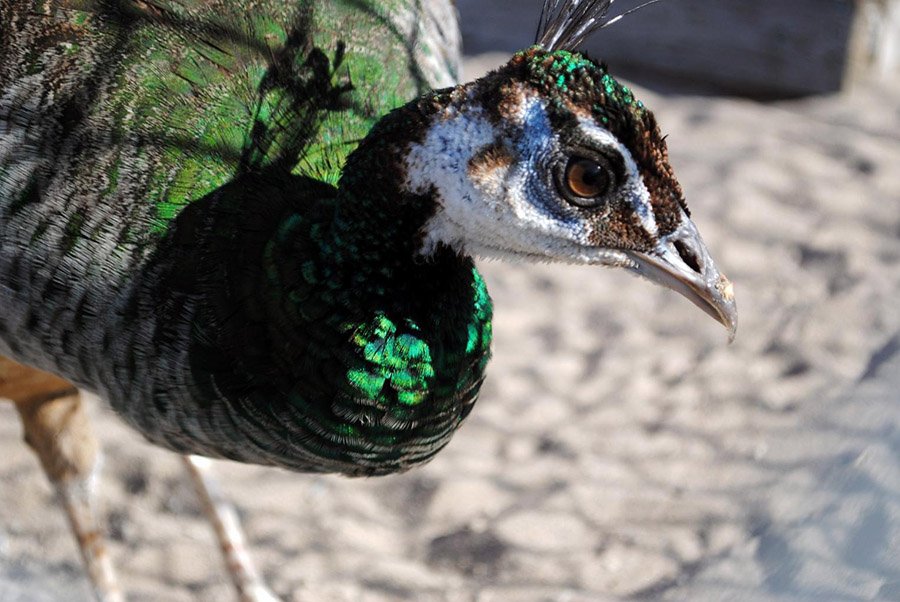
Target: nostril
689,257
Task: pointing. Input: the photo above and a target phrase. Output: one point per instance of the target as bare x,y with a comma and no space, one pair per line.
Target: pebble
546,531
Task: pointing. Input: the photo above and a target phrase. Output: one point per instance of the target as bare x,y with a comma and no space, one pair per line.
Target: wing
115,116
145,106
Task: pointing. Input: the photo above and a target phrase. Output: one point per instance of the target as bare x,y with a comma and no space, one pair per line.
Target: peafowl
249,225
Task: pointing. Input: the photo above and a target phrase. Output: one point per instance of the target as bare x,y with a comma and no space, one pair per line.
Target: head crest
565,24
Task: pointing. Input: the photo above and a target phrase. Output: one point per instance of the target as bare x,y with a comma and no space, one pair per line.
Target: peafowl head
549,158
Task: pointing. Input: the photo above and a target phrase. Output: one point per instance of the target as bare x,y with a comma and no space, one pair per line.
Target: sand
621,449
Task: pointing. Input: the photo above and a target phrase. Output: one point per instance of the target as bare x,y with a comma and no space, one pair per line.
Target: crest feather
565,24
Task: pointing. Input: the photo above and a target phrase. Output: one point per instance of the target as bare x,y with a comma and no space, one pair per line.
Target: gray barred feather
91,144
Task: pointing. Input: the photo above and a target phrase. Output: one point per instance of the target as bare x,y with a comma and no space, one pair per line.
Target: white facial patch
492,199
442,161
488,212
634,187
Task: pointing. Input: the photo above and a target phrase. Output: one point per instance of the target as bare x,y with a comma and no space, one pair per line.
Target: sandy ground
620,448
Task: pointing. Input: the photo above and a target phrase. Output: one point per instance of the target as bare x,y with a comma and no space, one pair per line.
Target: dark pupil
593,176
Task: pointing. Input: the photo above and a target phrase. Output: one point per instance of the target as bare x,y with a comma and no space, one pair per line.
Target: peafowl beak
682,263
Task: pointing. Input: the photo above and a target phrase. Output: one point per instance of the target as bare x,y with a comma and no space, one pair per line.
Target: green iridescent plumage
570,72
194,87
202,144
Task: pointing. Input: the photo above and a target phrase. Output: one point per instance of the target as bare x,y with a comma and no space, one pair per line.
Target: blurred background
621,450
761,49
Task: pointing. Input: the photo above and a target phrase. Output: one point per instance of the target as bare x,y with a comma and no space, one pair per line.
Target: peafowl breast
249,225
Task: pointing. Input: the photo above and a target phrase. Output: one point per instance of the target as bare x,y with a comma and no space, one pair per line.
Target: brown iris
586,179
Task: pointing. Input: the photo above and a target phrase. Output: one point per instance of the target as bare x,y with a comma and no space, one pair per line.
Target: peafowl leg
57,429
224,519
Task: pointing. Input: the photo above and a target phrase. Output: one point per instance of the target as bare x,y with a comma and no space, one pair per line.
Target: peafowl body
250,224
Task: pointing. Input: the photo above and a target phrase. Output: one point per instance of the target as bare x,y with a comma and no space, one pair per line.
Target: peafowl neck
325,338
367,239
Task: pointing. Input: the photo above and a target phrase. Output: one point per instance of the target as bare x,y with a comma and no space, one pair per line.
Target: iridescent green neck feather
321,315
